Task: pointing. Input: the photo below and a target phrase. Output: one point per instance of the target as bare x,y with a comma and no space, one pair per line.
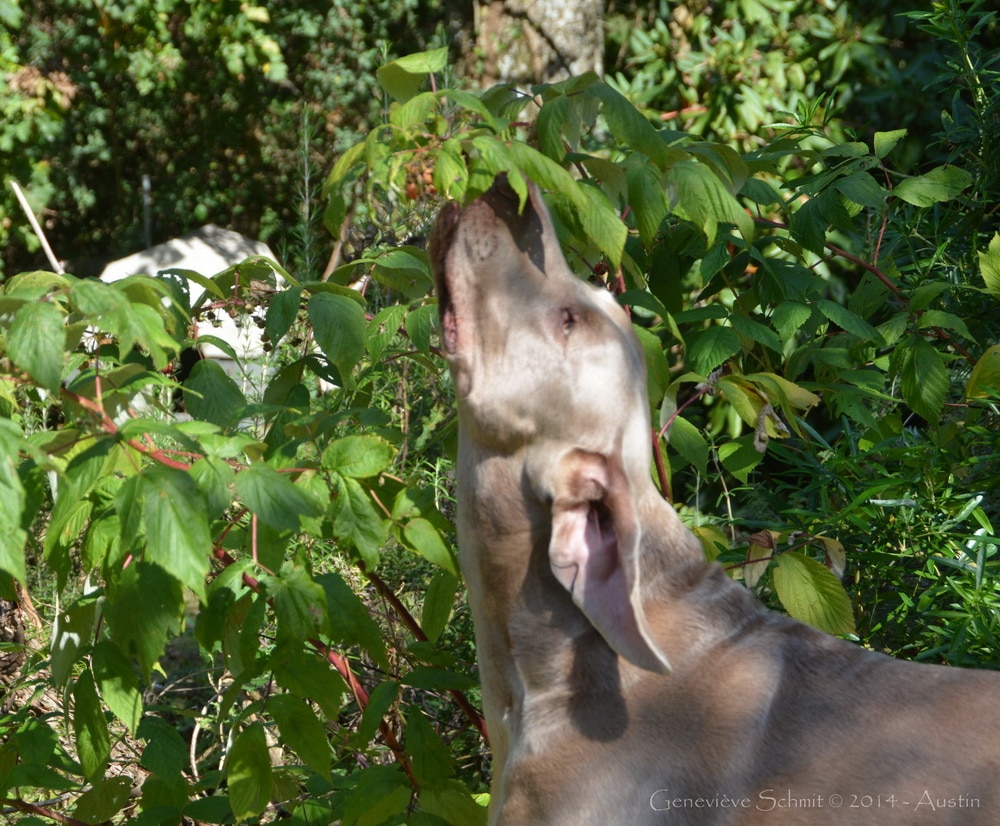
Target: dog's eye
568,321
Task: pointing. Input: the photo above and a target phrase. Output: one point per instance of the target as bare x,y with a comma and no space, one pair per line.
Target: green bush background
253,610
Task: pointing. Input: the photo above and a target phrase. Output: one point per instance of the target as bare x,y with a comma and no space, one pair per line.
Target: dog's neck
533,644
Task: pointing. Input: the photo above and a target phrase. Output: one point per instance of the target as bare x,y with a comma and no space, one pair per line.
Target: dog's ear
595,550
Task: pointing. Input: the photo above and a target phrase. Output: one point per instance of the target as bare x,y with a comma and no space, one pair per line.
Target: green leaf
350,622
946,321
923,379
356,520
810,592
451,175
93,743
116,678
430,758
687,440
419,326
359,457
274,498
382,794
648,200
989,266
177,535
214,478
631,128
212,396
339,326
885,142
754,330
940,184
452,802
862,189
144,609
12,503
788,317
101,802
439,601
848,321
35,343
405,269
739,457
299,604
282,310
424,538
72,629
700,197
710,348
984,380
302,731
248,769
403,77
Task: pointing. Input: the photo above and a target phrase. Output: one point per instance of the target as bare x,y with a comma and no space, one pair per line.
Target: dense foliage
252,610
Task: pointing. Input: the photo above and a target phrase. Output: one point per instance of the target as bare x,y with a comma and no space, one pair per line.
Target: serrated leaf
299,605
356,520
811,593
101,802
302,731
424,538
940,184
248,769
687,440
350,622
631,128
989,266
339,327
452,802
710,348
144,610
72,629
420,325
381,794
862,189
177,535
451,175
119,687
35,343
12,503
788,317
923,379
944,320
848,321
359,457
274,498
984,380
698,196
212,396
93,743
754,330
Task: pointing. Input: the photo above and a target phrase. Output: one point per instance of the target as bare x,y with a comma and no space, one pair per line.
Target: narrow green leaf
940,184
946,321
700,197
282,310
419,326
687,440
93,743
430,758
648,200
302,731
848,321
451,175
177,535
810,592
439,601
12,503
631,128
754,330
72,629
274,498
923,379
339,326
35,343
424,538
248,769
116,678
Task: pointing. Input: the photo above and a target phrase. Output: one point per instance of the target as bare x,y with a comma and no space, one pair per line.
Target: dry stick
56,266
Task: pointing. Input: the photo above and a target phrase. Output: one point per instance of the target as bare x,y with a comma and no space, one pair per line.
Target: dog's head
549,372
